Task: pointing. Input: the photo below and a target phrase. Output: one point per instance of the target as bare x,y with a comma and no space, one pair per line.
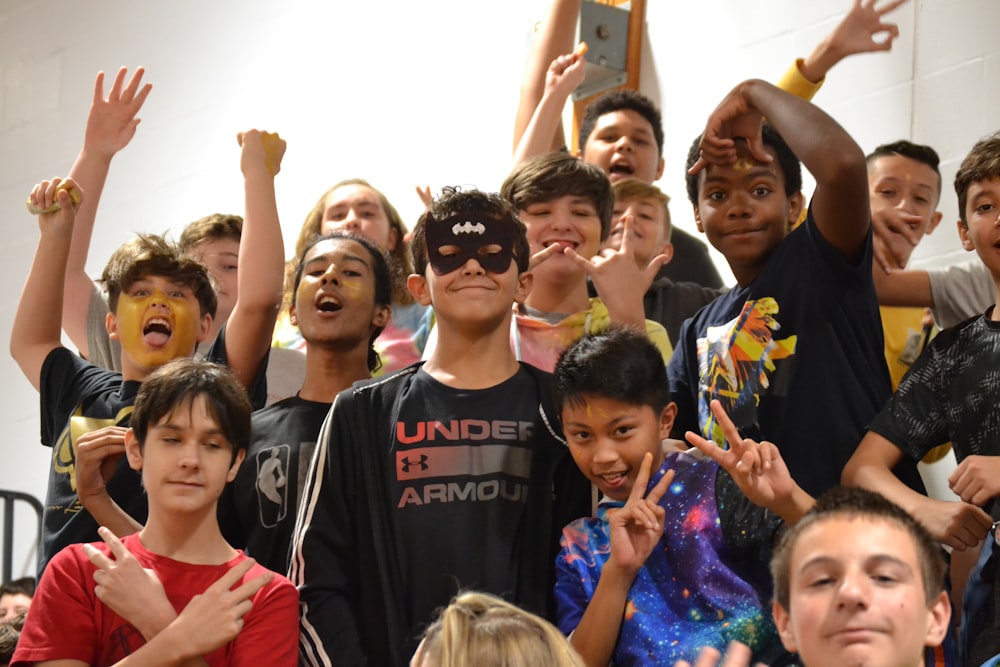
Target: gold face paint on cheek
183,315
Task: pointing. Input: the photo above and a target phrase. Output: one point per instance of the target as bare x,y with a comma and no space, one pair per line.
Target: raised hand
56,203
261,149
862,30
734,117
636,528
112,121
566,72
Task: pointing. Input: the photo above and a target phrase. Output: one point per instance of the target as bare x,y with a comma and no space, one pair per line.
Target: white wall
405,93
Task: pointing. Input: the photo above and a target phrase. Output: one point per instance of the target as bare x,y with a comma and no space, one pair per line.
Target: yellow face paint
157,321
744,164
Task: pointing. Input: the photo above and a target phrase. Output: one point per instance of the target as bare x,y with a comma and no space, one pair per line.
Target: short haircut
454,201
916,152
313,225
483,630
856,503
549,176
150,255
382,275
215,227
789,165
618,100
981,164
22,586
619,363
177,384
631,189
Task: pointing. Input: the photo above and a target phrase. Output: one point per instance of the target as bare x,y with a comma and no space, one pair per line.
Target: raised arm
111,124
555,36
261,263
37,321
564,75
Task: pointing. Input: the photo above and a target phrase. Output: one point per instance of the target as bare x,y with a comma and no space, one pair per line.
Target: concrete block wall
404,94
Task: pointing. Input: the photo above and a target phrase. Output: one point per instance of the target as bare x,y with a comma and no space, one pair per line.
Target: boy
15,598
949,395
445,475
198,597
341,297
566,205
162,304
803,317
651,580
858,582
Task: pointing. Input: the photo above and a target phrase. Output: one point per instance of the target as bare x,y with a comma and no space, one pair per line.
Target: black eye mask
472,235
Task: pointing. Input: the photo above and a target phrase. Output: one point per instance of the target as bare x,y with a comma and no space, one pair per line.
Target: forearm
106,512
876,475
792,508
167,649
597,633
817,64
910,288
544,123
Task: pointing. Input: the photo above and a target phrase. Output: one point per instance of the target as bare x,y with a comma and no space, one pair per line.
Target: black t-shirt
258,510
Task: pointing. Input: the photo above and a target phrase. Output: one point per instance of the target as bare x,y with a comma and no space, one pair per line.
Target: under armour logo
421,461
468,228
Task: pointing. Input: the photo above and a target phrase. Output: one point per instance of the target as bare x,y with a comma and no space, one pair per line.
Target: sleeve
66,379
268,636
574,587
258,389
915,417
750,533
793,82
103,351
960,291
683,380
324,561
658,335
61,625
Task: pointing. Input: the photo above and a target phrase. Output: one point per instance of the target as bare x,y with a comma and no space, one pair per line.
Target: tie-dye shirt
705,584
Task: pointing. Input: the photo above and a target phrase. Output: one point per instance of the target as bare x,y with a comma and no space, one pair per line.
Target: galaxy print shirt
705,584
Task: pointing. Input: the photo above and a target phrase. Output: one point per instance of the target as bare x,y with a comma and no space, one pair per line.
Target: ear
417,285
111,324
382,317
292,318
697,219
796,203
963,233
667,419
666,249
935,221
938,618
783,621
205,327
233,469
132,450
659,170
393,239
524,282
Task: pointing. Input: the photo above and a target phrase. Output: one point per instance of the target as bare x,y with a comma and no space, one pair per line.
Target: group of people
308,463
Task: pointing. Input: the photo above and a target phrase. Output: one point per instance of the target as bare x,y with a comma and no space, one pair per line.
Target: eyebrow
327,258
176,428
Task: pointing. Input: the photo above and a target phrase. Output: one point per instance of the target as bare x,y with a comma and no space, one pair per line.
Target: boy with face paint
162,304
447,475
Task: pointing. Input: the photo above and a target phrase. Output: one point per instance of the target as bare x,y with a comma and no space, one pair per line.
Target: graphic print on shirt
64,452
736,365
462,460
272,484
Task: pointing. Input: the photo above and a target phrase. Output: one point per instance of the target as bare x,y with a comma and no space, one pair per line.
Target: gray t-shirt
961,291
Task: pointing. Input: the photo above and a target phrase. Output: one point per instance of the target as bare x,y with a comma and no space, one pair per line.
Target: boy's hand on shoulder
97,456
959,525
54,204
976,480
637,527
261,150
736,116
130,590
112,121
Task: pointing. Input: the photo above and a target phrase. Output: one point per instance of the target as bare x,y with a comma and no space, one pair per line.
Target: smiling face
649,228
335,300
569,221
186,459
608,439
623,145
12,605
156,321
357,209
856,597
981,230
221,258
743,210
906,190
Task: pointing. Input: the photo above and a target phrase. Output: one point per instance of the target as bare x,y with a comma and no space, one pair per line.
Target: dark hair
214,227
550,176
151,255
22,586
791,170
178,383
618,100
981,164
908,149
856,503
454,201
619,363
313,224
631,189
10,633
382,275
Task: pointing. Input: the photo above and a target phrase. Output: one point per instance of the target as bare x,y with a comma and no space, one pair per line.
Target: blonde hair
483,630
630,189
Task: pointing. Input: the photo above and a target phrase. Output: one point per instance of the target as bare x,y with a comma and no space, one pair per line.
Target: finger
700,164
140,99
133,84
707,447
250,587
97,558
642,479
543,255
628,236
657,492
737,655
756,146
232,576
888,7
119,82
117,548
583,262
708,657
729,429
239,138
768,453
99,87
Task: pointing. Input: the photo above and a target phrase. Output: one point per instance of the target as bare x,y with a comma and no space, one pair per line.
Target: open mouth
562,244
156,332
328,304
613,480
620,169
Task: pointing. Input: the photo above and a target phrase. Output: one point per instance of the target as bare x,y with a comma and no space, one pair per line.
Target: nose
158,298
472,267
853,591
351,221
624,144
605,452
330,276
190,455
739,205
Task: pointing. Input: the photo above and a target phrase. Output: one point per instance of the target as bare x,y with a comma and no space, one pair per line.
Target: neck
189,538
329,371
558,296
473,359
